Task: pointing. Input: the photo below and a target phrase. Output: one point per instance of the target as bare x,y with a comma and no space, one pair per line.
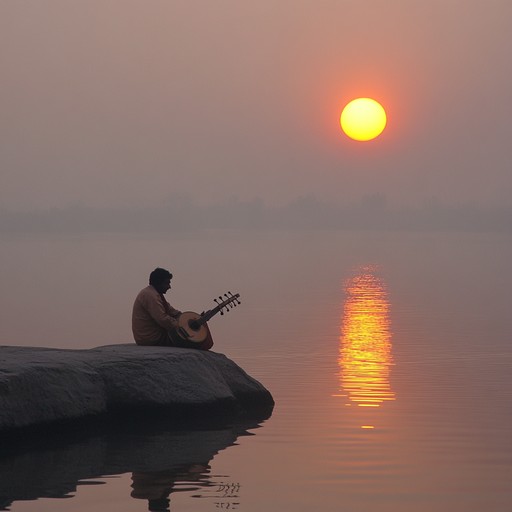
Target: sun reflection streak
365,343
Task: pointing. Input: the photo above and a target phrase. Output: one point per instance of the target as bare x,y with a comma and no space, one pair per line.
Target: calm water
389,357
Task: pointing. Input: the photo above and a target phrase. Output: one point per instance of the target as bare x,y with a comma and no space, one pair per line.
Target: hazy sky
133,103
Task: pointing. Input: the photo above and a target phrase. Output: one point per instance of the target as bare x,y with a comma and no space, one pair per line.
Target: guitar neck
209,314
212,312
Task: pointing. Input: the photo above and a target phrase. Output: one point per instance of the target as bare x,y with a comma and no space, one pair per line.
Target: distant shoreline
372,214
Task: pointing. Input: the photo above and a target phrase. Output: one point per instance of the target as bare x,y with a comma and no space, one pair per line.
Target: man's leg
175,340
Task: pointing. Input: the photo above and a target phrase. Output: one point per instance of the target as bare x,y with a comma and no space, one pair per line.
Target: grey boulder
40,385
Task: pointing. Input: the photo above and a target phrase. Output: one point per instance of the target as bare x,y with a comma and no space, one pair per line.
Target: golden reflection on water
365,343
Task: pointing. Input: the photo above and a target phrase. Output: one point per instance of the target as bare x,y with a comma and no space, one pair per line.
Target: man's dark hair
158,275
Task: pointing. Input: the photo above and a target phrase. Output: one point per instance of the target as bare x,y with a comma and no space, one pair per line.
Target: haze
130,104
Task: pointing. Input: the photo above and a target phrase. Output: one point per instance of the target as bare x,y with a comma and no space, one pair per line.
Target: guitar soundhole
194,325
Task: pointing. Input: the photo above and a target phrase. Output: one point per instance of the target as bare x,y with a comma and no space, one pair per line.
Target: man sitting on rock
155,321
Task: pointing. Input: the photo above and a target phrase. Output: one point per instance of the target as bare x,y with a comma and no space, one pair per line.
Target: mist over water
182,214
330,322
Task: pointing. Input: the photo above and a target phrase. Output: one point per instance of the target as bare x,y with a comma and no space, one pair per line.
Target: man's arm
157,311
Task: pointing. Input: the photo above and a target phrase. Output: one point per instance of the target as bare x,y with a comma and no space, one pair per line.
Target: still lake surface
389,357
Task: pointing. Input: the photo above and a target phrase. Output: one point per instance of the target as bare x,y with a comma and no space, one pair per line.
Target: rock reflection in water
365,343
161,459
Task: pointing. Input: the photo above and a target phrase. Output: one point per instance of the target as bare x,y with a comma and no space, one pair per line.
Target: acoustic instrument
192,326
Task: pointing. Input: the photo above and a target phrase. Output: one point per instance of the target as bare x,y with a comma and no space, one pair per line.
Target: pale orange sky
122,102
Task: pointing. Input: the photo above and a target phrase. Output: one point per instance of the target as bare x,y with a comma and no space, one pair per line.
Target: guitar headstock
227,302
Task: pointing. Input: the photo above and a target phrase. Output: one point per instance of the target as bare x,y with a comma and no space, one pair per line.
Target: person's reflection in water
157,486
162,504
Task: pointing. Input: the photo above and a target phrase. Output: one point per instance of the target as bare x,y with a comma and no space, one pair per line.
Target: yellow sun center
363,119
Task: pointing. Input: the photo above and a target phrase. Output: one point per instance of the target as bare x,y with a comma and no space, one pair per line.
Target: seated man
154,320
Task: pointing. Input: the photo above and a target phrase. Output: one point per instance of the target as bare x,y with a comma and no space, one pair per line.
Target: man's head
160,279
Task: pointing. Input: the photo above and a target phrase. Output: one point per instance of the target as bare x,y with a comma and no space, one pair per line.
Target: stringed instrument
192,326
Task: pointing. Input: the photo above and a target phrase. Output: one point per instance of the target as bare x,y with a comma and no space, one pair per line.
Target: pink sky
123,103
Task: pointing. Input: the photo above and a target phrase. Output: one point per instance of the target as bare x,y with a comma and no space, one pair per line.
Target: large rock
41,385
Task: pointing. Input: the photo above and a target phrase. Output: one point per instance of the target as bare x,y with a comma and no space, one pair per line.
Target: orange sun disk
363,119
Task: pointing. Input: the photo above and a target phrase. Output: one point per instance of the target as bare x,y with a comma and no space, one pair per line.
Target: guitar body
190,335
193,331
187,323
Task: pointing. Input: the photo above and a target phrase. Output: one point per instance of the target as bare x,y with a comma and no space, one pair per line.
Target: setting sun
363,119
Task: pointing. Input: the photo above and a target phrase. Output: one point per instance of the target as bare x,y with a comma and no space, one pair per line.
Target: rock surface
42,385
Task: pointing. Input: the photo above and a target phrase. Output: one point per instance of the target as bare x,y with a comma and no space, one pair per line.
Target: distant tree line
371,213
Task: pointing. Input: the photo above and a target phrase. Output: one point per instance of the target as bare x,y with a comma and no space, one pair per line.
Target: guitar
192,326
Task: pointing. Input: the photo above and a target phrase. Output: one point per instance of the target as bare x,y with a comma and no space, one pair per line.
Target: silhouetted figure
155,321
